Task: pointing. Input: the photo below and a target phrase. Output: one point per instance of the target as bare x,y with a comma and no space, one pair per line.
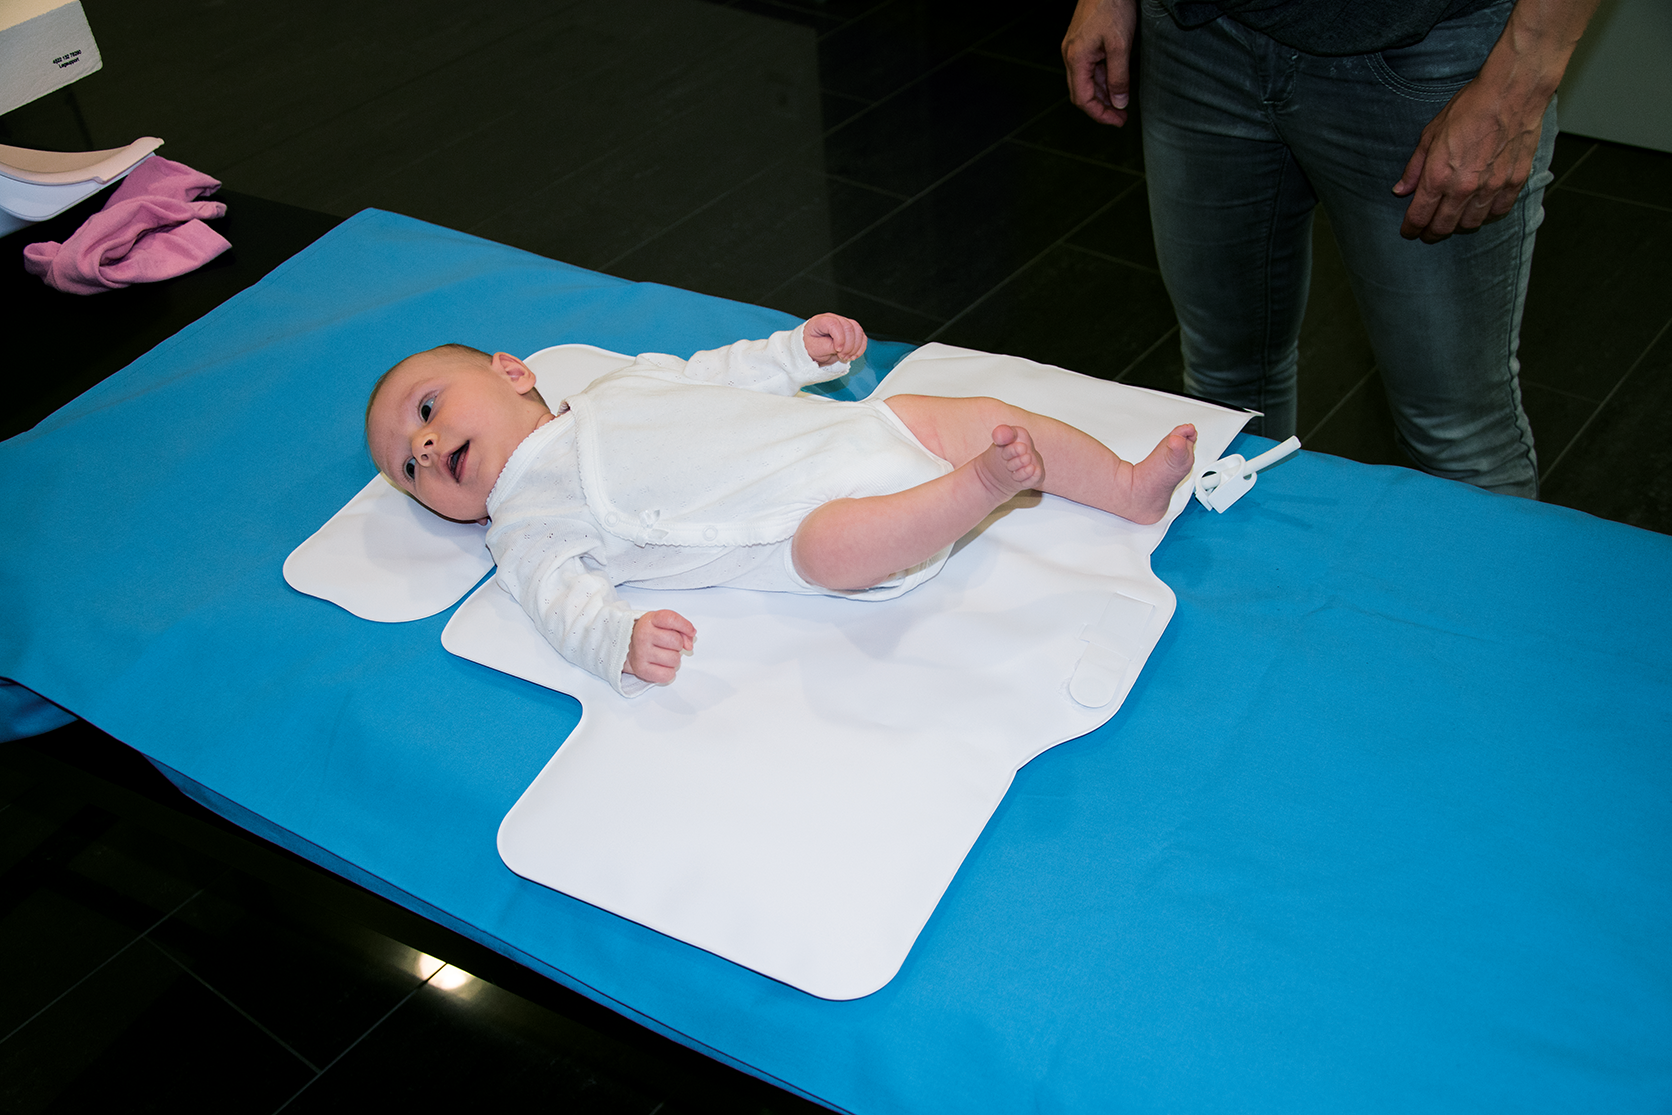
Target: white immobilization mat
800,797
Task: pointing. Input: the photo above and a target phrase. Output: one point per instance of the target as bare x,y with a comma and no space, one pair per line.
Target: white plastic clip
1230,477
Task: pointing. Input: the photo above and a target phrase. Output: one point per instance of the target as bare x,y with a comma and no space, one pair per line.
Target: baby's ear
520,375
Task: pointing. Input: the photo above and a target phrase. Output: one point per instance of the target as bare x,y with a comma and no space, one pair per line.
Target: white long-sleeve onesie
685,474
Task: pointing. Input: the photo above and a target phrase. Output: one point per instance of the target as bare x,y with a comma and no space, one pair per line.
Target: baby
713,471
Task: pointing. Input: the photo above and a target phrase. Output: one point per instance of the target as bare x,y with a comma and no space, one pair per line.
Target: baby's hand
832,337
659,639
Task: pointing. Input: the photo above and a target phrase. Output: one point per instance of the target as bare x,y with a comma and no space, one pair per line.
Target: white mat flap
385,558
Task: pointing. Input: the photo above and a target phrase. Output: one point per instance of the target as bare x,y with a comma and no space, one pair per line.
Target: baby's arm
575,607
783,363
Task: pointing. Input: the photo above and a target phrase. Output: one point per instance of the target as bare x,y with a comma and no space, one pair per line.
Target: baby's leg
1077,465
850,544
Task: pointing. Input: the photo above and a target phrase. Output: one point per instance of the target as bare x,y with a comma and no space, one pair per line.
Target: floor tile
945,250
1160,368
1556,419
811,294
1034,36
895,44
757,119
1621,466
1122,231
1570,151
1592,311
82,894
819,21
477,1047
33,811
135,864
142,1035
1068,130
1360,428
759,236
844,10
65,941
317,988
286,64
927,131
839,108
1073,309
1629,173
437,131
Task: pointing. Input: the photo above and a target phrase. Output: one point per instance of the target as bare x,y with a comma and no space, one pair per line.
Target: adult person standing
1424,127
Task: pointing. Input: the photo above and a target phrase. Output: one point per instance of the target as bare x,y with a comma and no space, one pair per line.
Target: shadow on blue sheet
1386,824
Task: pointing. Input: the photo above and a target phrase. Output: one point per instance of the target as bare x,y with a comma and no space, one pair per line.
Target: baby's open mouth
453,461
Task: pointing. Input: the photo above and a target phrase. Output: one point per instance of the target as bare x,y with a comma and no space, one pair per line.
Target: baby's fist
659,640
832,337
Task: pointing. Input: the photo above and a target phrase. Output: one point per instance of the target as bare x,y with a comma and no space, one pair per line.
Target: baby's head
442,424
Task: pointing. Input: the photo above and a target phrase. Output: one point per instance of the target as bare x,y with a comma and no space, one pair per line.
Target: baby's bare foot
1155,477
1011,464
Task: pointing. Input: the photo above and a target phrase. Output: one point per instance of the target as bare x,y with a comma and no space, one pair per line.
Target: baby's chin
478,520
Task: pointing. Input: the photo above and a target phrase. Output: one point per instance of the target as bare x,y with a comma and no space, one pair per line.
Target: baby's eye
425,409
411,468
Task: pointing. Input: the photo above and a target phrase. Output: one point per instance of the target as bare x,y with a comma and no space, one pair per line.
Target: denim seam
1521,274
1388,79
1266,280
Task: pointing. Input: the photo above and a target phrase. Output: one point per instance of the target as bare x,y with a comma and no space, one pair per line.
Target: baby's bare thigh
956,430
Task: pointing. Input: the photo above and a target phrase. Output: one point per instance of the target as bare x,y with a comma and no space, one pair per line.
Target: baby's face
442,427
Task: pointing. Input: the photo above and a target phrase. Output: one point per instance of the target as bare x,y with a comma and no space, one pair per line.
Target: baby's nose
423,446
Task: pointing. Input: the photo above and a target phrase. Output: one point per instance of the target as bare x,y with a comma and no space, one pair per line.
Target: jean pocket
1446,60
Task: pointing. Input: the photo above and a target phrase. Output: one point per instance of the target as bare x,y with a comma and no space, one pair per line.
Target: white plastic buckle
1230,477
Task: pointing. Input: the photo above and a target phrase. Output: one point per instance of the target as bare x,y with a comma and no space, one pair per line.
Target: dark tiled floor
911,162
169,962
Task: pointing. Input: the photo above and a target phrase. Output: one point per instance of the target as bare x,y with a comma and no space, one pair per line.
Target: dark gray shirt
1331,27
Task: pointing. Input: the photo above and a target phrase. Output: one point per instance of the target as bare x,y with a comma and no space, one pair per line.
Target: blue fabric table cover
1385,825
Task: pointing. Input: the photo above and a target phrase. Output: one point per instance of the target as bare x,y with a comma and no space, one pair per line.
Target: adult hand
660,640
1474,157
1472,160
1097,52
832,337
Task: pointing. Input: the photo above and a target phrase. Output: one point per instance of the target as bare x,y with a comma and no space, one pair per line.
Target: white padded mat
800,797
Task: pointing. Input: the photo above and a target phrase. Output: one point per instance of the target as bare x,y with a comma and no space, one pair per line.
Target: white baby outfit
686,474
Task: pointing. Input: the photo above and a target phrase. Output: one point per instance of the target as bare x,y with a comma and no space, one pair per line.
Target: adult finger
1413,168
1096,57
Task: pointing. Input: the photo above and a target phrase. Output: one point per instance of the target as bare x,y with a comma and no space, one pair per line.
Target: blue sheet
1384,825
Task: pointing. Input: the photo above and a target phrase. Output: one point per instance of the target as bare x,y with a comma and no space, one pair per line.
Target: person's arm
1097,53
1474,157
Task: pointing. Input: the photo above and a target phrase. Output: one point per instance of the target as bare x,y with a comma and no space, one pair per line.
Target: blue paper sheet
1384,825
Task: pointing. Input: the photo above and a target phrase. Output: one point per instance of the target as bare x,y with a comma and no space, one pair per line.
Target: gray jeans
1243,137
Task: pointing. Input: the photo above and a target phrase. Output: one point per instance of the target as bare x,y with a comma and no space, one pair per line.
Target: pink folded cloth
151,228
